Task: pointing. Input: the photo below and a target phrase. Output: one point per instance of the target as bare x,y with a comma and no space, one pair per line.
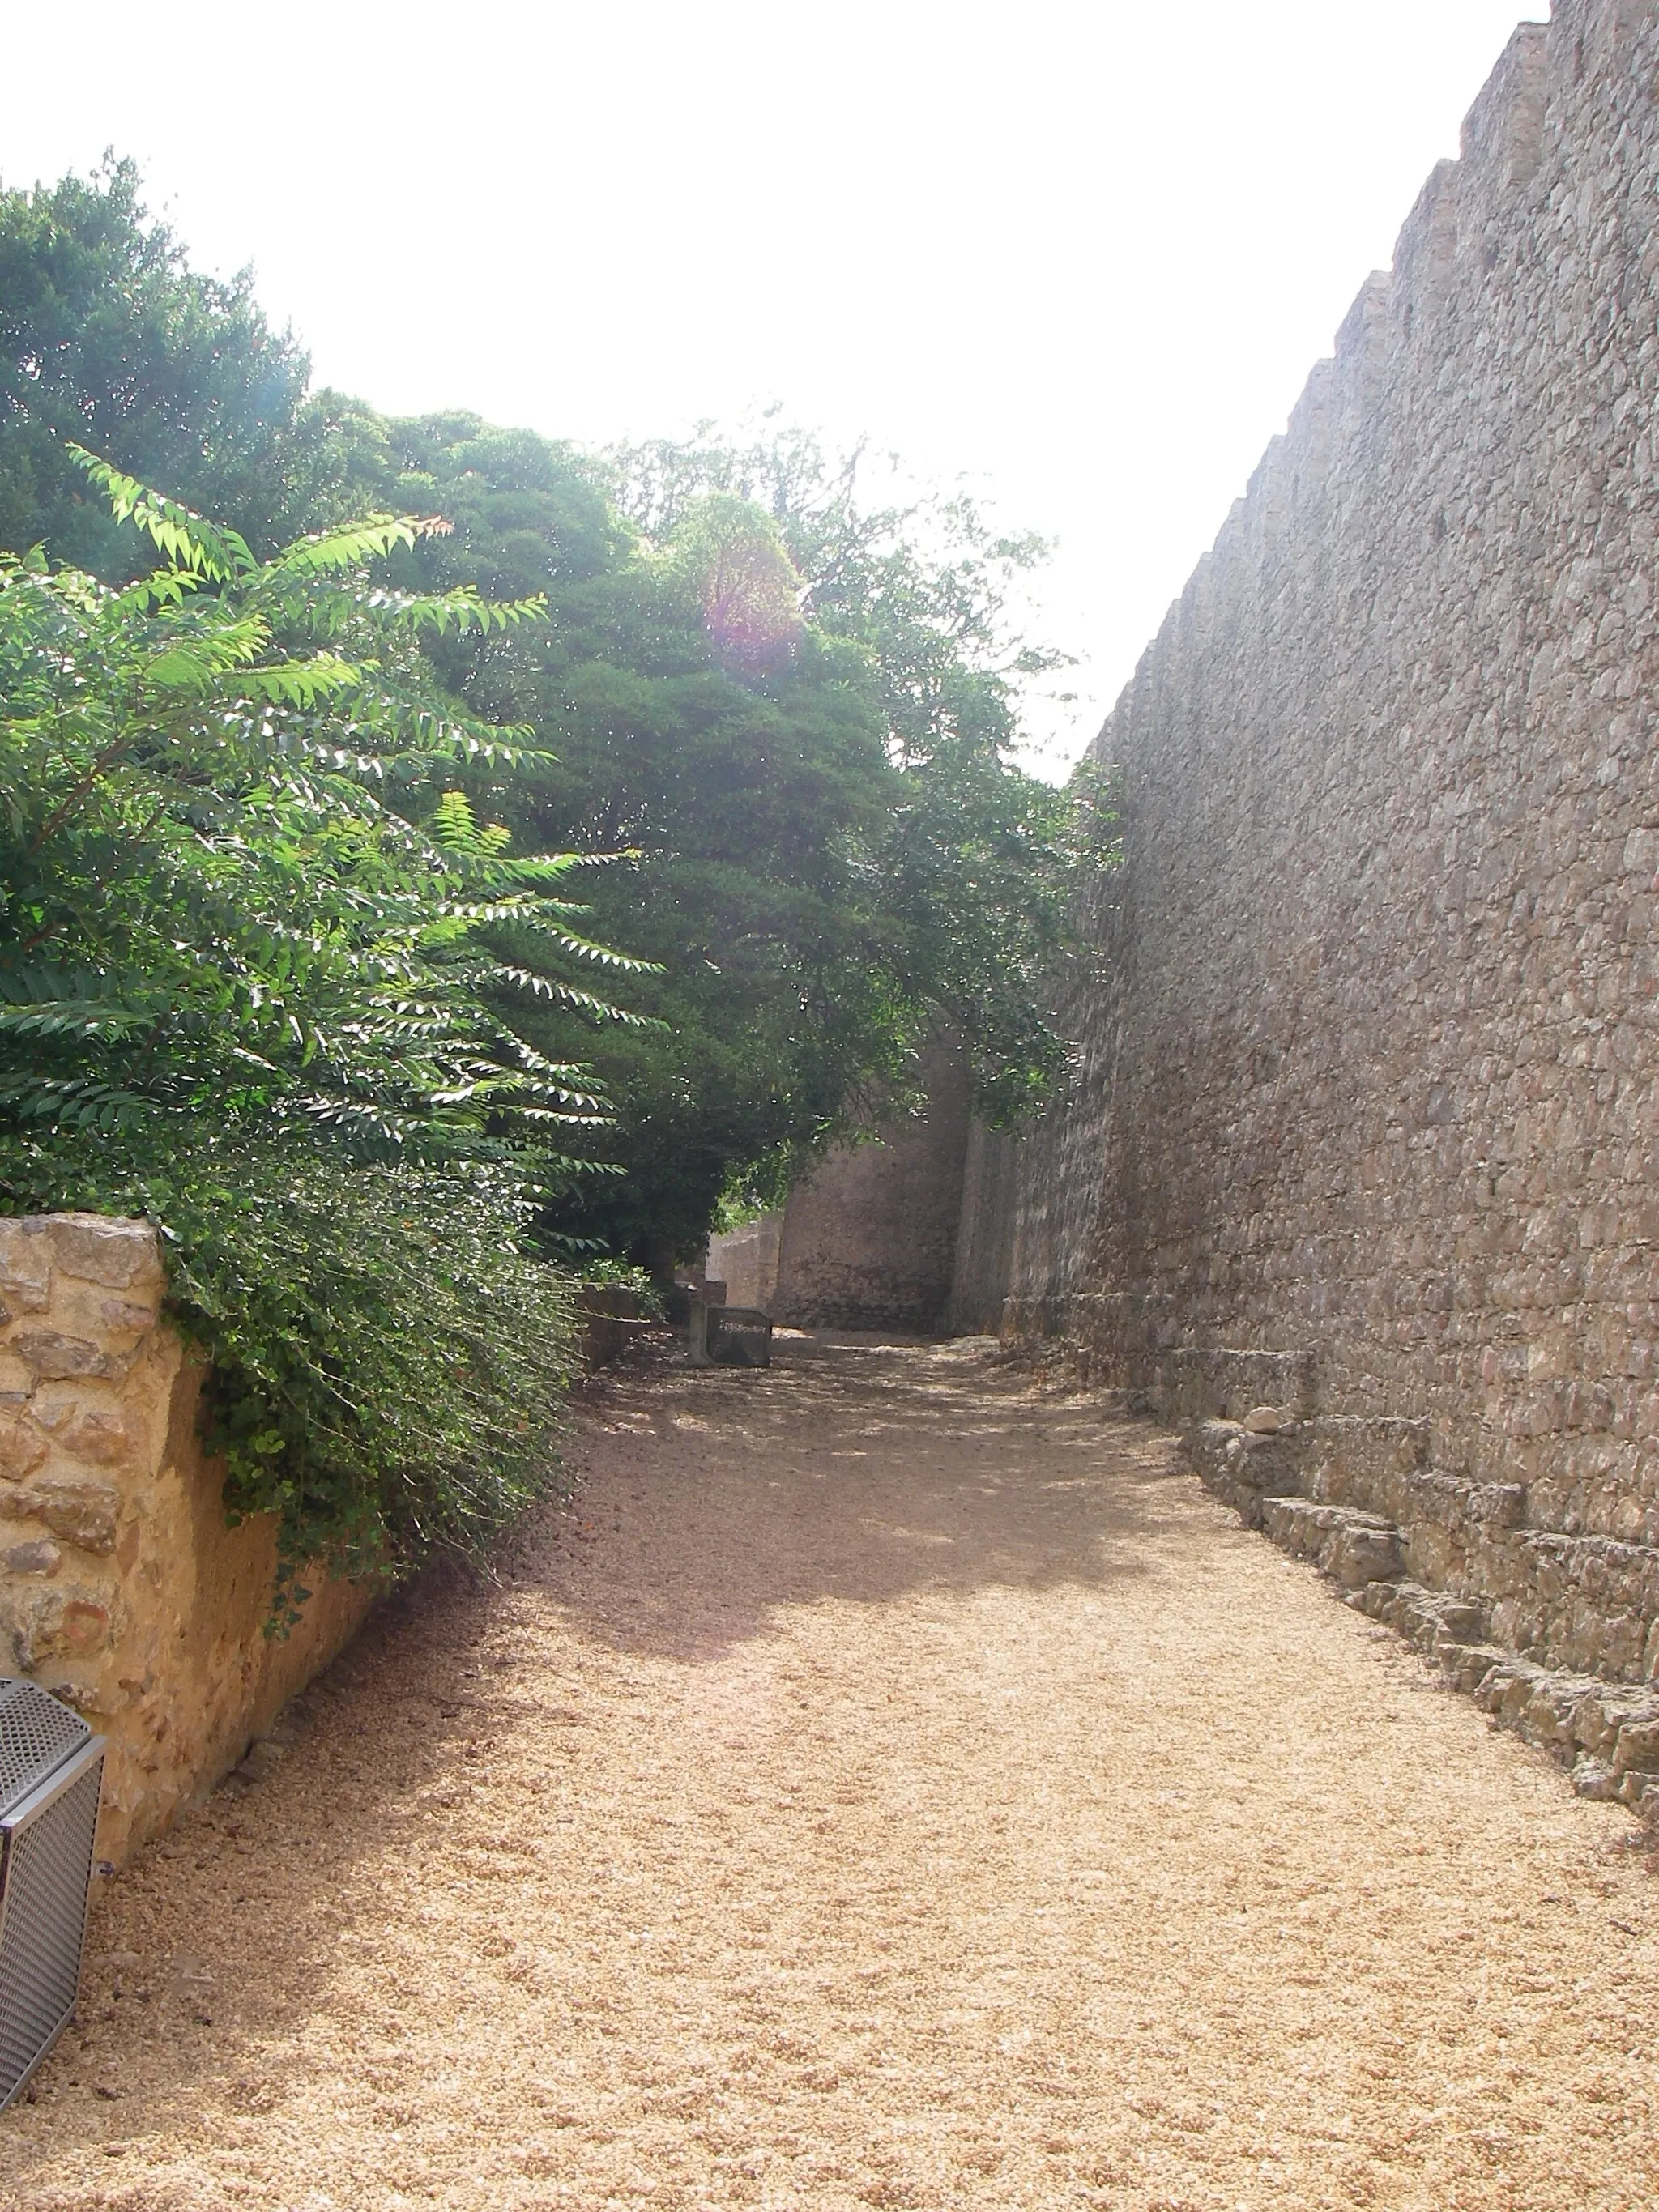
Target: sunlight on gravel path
885,1787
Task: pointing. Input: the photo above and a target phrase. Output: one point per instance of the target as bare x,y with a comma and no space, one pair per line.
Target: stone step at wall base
1354,1548
1433,1620
1219,1383
1586,1604
1606,1731
1244,1470
1581,1604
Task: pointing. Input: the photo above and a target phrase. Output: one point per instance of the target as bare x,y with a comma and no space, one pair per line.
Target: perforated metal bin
739,1336
51,1769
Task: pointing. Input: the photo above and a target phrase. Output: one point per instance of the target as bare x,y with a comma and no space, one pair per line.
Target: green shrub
388,1367
259,965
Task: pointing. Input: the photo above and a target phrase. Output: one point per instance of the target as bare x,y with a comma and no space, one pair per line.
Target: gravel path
885,1787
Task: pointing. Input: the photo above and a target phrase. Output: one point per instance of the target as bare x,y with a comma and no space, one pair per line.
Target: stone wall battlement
1369,1066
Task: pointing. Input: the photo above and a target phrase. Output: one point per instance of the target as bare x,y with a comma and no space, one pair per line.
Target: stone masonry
868,1241
122,1590
1365,1132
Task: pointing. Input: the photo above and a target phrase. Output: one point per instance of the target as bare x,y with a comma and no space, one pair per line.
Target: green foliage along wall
785,708
829,854
256,960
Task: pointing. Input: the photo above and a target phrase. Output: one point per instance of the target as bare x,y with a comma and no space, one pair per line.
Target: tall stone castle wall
1367,1073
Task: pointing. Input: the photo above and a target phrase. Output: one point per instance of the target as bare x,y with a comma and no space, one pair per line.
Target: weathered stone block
47,1625
1355,1548
40,1557
1599,1719
50,1355
127,1316
25,1269
1637,1747
104,1438
1595,1779
1266,1421
1243,1467
1356,1556
1452,1503
1466,1666
83,1513
1433,1620
1551,1715
22,1448
120,1254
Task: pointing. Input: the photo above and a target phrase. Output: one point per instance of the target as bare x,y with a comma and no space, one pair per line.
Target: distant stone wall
746,1261
1369,1066
985,1232
870,1241
122,1590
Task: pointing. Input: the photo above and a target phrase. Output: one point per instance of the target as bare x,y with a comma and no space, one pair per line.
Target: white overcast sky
1079,258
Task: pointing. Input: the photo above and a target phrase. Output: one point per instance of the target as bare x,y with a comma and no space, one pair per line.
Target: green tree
109,338
800,708
925,583
239,879
694,718
793,704
257,956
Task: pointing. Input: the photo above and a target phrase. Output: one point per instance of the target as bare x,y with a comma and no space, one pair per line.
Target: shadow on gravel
225,1934
857,1468
854,1470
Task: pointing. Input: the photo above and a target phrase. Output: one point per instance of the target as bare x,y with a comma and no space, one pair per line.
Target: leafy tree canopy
797,712
109,339
789,700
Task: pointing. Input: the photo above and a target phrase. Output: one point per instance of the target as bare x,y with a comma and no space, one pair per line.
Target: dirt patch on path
885,1787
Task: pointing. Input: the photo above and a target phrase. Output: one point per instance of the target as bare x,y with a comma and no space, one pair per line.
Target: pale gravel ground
887,1788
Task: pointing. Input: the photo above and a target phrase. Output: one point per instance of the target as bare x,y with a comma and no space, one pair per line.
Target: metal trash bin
51,1771
739,1336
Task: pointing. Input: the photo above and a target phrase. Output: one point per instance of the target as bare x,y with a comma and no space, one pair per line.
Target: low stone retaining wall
1579,1602
1557,1637
122,1590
